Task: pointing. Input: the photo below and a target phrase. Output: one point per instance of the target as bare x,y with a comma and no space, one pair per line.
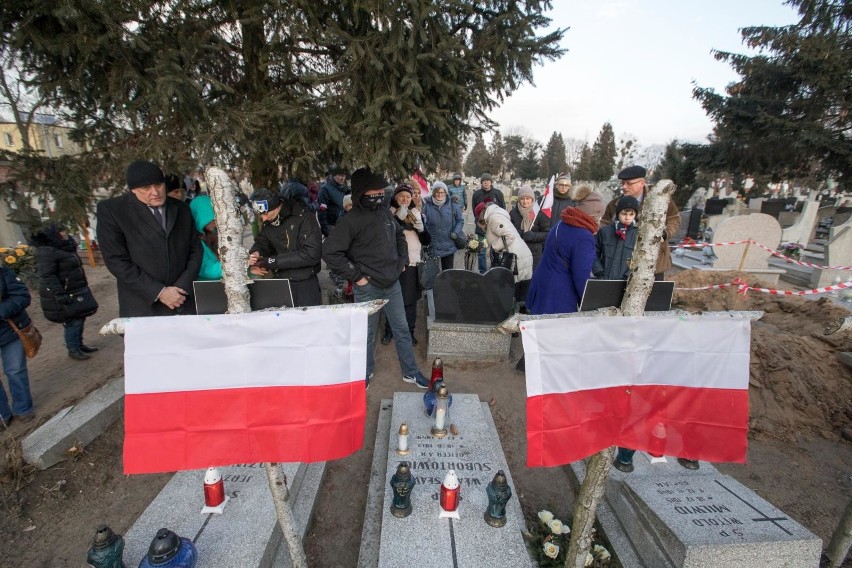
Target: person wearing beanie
615,243
458,191
330,198
486,193
149,244
205,225
633,185
561,199
523,216
368,247
289,243
416,237
588,201
501,235
174,187
445,223
347,204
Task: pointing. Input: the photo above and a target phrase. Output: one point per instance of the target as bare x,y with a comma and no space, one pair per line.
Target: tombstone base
467,342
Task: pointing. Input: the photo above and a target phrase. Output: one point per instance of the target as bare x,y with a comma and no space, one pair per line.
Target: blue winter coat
14,298
614,254
559,280
443,222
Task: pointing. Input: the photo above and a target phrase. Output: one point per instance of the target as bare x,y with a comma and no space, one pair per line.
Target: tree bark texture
223,195
837,326
639,284
281,498
841,540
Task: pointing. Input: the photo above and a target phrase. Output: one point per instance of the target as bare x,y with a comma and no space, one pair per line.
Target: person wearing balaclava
289,244
368,247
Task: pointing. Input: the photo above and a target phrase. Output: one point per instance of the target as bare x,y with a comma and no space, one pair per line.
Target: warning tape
773,252
743,288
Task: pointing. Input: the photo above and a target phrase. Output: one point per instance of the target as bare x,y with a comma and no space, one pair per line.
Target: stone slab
476,455
802,230
466,341
368,556
246,534
75,425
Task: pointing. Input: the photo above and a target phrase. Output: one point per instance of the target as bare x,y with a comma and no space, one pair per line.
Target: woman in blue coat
444,222
569,253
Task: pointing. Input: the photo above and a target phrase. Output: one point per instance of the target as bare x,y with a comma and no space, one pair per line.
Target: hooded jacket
443,222
331,204
498,226
60,272
295,242
493,195
14,299
368,244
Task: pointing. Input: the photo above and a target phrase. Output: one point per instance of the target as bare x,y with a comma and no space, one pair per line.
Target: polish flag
668,386
217,390
547,201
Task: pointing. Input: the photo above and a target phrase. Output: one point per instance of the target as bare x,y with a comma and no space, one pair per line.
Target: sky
632,63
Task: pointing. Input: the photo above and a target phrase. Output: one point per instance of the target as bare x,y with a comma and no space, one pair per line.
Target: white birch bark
841,540
837,326
639,285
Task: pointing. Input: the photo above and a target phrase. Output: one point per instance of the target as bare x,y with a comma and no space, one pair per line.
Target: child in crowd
614,243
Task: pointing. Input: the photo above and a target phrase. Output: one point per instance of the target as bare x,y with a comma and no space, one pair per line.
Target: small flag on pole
547,201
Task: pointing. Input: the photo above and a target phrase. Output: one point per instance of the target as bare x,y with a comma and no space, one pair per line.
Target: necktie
158,216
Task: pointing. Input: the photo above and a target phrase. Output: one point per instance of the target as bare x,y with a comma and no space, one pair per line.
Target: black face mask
372,202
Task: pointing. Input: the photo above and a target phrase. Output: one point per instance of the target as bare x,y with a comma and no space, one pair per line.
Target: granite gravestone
773,207
462,296
476,455
801,231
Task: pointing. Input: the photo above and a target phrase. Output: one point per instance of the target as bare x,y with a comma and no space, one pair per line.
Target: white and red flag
546,206
265,386
668,386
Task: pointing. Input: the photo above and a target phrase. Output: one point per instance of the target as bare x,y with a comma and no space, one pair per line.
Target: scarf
439,202
620,230
577,218
527,217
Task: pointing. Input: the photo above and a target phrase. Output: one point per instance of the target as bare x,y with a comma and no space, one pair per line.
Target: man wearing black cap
484,194
331,199
368,247
633,184
149,244
289,243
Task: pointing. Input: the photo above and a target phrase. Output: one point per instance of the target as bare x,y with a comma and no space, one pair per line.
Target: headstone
773,207
715,206
246,534
761,227
801,231
462,296
756,203
663,516
476,455
693,229
838,252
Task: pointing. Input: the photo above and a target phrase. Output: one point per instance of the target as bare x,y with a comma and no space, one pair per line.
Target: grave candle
402,441
439,426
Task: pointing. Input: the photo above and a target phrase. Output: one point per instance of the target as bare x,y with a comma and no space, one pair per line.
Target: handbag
505,258
30,337
427,269
80,305
461,243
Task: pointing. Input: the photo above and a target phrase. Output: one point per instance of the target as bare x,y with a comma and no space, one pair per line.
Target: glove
267,262
418,221
402,212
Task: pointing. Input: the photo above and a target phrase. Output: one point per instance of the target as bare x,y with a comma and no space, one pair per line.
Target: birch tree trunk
234,264
841,540
639,284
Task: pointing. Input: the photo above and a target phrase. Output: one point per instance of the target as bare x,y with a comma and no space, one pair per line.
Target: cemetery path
800,397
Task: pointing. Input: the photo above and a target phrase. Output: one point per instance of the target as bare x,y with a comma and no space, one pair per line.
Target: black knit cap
172,182
363,180
632,172
626,202
142,173
264,200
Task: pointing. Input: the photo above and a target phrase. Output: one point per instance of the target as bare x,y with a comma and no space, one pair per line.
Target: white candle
403,442
440,416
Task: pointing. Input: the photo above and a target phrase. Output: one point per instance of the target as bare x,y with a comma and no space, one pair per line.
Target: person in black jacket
14,299
614,244
289,243
149,244
330,199
486,193
63,288
368,247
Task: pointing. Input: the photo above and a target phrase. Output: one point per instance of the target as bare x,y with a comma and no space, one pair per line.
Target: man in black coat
485,194
149,244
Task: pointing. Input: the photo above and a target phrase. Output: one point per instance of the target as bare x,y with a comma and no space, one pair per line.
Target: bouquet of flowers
20,259
548,544
792,250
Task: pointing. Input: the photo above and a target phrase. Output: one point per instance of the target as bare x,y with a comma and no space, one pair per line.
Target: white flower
566,529
589,559
556,526
601,552
545,516
551,550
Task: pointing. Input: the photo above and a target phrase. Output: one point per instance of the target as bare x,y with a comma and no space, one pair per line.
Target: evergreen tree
514,149
553,160
583,171
478,159
279,86
603,155
528,167
496,154
788,115
676,167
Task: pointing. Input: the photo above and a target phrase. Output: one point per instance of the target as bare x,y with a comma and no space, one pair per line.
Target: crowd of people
161,235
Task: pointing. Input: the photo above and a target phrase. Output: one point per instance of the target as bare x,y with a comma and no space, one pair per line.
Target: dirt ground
800,398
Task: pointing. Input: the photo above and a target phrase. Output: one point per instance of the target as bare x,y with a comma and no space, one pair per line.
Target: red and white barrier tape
743,288
764,247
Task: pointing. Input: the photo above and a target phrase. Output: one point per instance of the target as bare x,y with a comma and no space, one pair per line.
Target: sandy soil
800,395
